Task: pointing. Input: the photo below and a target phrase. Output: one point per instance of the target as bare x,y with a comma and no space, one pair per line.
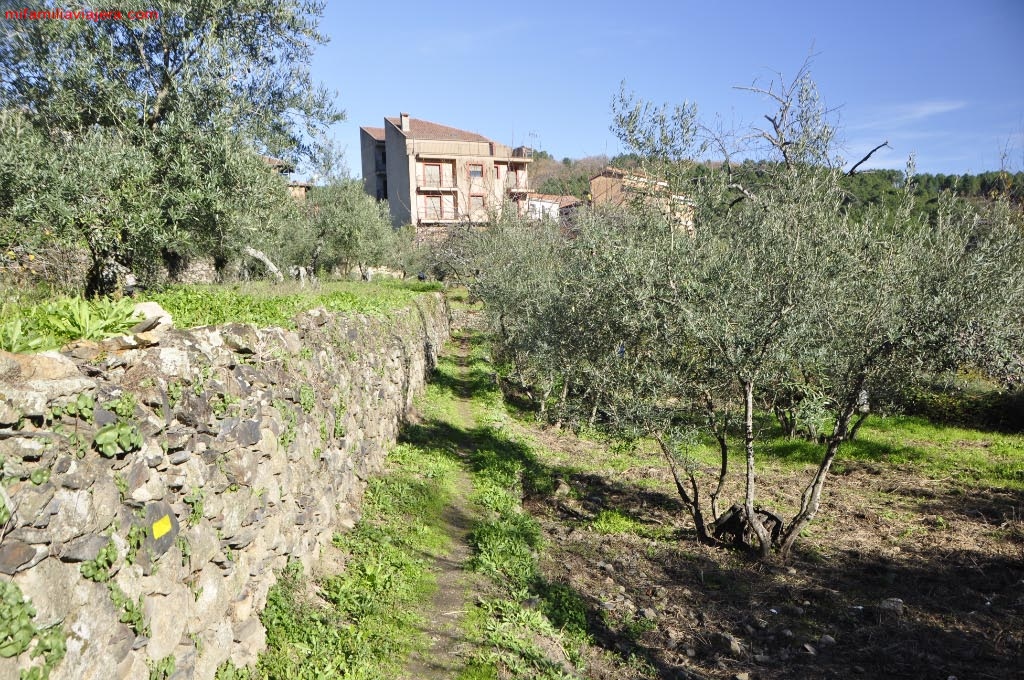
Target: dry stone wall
154,484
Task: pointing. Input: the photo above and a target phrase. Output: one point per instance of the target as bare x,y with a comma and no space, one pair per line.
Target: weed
131,610
229,671
117,438
369,626
99,569
174,393
122,485
124,406
136,537
287,436
194,501
220,403
17,632
185,549
307,398
162,669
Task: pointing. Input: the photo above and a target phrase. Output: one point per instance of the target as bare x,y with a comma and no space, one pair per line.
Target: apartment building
433,175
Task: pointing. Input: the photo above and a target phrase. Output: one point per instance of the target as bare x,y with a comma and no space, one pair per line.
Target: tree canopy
185,103
785,299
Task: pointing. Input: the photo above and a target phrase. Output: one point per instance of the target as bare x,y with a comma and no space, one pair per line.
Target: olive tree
780,290
197,93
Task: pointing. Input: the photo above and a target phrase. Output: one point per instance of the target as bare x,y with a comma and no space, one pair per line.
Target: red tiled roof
375,132
424,129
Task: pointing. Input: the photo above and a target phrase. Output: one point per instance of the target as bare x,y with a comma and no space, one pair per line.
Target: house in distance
433,175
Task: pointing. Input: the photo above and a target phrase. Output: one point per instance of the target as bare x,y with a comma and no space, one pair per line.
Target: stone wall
154,484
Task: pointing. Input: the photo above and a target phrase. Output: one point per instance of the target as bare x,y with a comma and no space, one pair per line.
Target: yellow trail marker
161,526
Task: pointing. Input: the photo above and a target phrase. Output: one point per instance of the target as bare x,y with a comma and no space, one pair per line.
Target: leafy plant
136,537
16,338
131,610
307,398
77,318
288,434
162,669
83,406
98,569
194,501
125,405
117,438
17,632
122,485
174,393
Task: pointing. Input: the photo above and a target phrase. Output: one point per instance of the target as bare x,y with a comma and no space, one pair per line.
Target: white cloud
896,115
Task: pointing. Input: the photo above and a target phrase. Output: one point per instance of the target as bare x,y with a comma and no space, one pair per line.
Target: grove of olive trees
784,300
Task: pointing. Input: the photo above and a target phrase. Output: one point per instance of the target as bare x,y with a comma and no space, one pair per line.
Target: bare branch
869,155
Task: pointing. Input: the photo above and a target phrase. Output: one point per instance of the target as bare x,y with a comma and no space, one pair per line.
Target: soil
901,576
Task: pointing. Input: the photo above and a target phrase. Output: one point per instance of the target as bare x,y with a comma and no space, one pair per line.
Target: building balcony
431,186
514,186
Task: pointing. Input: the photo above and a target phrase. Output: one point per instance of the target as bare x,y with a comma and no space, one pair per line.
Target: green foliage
83,406
122,485
345,227
290,431
17,632
220,403
194,501
136,537
99,569
50,325
228,671
174,393
117,439
162,669
125,405
269,305
784,295
307,398
131,610
15,338
368,628
161,165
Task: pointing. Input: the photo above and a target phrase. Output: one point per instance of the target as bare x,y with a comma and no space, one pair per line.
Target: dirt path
457,587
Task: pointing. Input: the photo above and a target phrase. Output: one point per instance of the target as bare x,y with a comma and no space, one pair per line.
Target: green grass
507,540
265,304
363,624
968,456
31,323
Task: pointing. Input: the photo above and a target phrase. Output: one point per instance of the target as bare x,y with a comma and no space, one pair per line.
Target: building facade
617,187
433,175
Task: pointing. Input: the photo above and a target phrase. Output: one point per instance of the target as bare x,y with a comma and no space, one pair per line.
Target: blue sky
942,79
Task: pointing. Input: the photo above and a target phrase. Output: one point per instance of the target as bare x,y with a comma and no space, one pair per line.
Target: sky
940,79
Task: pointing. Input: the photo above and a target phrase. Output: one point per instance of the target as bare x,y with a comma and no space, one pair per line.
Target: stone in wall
154,485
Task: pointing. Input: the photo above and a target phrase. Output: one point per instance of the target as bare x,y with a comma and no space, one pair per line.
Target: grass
266,304
525,608
968,456
362,623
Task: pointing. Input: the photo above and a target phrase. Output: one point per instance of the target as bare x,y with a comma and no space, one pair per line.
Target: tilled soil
901,577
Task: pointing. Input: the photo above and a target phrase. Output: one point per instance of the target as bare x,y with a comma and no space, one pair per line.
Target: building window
432,175
476,204
476,171
432,207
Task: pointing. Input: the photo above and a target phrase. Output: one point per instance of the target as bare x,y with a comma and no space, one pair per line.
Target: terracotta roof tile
375,132
424,129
